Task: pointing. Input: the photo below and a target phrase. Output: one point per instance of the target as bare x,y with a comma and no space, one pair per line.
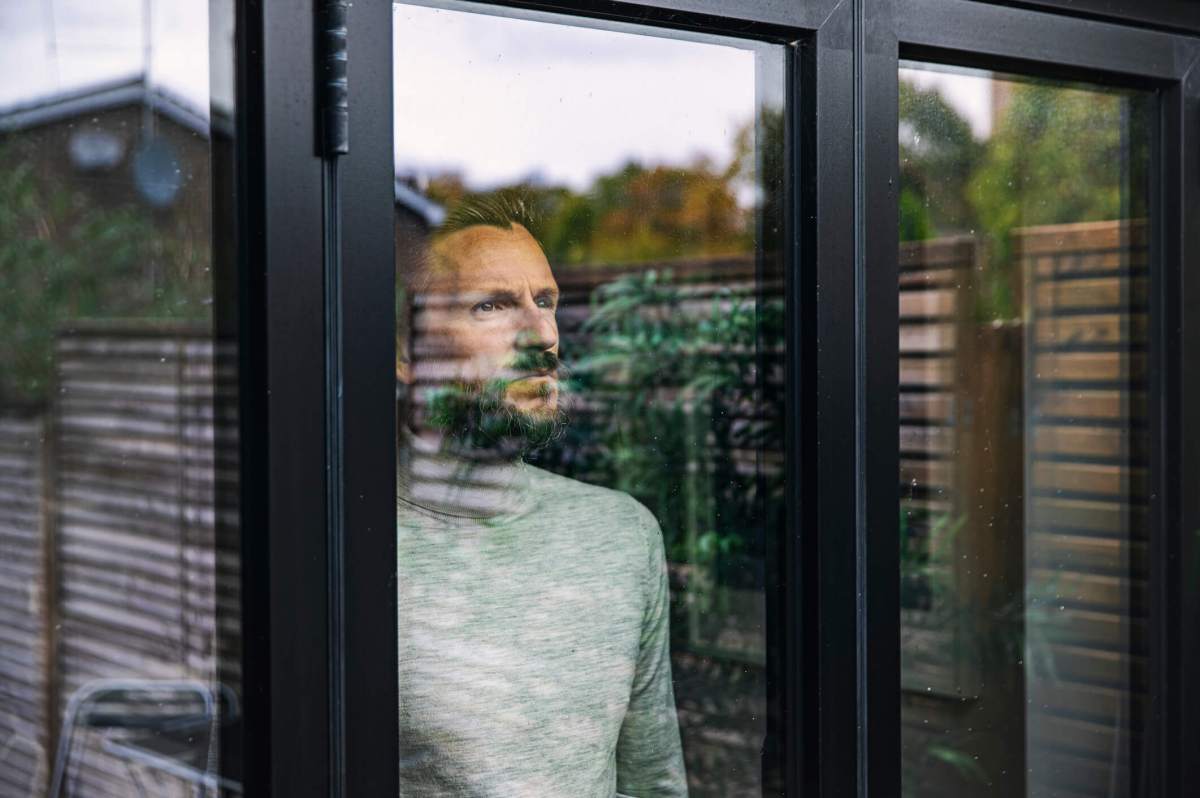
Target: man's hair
500,209
415,258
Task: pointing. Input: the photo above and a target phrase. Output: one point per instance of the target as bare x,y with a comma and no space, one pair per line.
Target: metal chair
141,714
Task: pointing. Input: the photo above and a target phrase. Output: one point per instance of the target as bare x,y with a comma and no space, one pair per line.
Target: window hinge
332,85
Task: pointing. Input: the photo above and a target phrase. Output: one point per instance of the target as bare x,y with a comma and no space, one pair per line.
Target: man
534,650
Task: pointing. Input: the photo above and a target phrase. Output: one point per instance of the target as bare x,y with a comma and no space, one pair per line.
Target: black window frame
973,34
317,422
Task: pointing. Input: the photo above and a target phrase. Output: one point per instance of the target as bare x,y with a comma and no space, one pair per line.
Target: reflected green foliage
63,258
638,212
966,765
986,634
926,545
937,155
680,379
914,216
673,396
1056,154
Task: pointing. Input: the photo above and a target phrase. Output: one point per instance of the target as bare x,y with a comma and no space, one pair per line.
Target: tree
62,258
938,152
637,213
666,212
1058,154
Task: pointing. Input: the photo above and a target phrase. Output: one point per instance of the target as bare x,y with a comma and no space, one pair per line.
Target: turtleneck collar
452,486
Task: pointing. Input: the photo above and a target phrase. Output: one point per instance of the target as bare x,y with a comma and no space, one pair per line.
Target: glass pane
118,566
590,374
1023,279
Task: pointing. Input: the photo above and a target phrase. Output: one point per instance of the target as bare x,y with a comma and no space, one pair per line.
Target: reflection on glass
589,366
1022,366
115,672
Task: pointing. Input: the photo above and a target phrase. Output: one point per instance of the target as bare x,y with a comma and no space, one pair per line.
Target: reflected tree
937,155
63,257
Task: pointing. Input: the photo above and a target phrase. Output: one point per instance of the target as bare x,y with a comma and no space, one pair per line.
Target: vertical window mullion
368,394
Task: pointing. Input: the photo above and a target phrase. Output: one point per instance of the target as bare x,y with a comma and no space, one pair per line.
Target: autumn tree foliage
636,213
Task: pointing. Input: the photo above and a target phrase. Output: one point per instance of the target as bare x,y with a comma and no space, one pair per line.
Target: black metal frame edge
281,413
831,643
1177,15
976,34
1183,431
368,380
227,291
784,605
968,33
331,131
1175,453
335,526
250,331
799,593
879,331
768,20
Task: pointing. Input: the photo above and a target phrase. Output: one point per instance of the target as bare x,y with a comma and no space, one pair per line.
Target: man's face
487,318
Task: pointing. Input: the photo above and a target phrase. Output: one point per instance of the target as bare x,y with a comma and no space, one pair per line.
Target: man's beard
481,418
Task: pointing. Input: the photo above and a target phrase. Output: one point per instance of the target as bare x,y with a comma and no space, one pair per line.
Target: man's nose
538,330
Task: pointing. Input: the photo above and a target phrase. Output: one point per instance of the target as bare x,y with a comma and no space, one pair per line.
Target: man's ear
403,371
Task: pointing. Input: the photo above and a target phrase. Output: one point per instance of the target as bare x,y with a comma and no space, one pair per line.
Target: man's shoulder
584,500
601,519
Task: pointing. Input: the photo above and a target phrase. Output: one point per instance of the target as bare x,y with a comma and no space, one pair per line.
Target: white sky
502,99
55,45
499,99
967,91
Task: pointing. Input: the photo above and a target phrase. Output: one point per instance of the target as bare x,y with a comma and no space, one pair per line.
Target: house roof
428,211
134,90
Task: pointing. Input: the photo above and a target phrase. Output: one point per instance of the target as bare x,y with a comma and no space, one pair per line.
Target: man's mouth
532,387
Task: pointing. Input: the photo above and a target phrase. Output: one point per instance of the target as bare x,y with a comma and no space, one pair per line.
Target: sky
967,91
58,45
499,99
502,99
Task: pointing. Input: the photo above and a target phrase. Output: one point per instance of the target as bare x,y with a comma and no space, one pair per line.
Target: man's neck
437,474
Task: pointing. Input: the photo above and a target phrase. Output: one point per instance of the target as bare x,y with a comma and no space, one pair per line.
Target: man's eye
545,302
485,307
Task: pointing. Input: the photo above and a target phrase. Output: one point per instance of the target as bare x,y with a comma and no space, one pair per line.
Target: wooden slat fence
1087,513
947,516
24,642
935,315
139,462
1023,446
113,550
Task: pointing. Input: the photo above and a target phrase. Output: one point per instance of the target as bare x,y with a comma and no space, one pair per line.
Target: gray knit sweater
534,653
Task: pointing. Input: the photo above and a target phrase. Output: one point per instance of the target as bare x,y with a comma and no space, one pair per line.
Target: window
590,373
1024,219
119,590
751,398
